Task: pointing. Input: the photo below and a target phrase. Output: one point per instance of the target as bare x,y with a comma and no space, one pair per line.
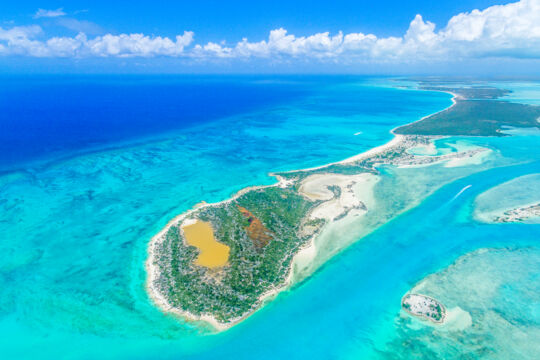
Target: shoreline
161,303
151,269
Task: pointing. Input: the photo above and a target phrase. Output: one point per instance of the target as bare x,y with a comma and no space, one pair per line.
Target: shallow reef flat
517,200
490,295
529,213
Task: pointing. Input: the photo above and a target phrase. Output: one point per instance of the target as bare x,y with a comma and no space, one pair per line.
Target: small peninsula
218,263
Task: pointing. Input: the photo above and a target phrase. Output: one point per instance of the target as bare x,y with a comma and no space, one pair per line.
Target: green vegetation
476,113
437,312
234,290
256,266
476,118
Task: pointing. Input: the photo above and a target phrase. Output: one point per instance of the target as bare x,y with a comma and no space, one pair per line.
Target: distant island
476,112
218,263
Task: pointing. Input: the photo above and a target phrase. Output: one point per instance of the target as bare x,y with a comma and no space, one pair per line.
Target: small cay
424,307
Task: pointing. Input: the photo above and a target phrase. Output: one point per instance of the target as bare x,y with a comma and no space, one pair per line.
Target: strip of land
263,233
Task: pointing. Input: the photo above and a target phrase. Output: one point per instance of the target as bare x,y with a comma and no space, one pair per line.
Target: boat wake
460,192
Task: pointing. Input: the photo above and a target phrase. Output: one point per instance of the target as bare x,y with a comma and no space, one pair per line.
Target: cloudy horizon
504,34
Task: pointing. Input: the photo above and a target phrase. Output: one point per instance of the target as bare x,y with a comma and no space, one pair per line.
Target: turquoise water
74,233
517,193
501,288
524,92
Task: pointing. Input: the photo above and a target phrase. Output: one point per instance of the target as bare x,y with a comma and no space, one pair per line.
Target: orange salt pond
212,254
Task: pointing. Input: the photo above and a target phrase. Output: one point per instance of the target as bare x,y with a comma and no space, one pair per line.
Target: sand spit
394,143
356,195
317,187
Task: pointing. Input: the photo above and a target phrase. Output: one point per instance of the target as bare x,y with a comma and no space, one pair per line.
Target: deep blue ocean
93,166
59,115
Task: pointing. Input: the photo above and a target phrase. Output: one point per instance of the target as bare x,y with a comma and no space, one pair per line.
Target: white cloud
65,46
212,49
21,41
503,30
41,13
511,30
125,45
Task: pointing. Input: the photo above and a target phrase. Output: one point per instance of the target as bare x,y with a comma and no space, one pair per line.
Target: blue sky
217,20
277,36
